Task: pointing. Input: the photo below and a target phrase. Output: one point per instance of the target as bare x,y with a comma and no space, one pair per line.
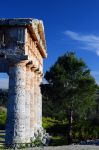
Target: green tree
70,92
3,98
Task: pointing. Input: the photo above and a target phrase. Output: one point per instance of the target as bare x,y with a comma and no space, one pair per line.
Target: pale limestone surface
15,128
74,147
71,147
27,104
22,49
32,98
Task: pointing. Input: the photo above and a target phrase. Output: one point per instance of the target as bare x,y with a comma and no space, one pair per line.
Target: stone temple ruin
22,49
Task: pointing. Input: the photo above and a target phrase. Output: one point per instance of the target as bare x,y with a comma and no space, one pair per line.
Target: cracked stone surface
15,128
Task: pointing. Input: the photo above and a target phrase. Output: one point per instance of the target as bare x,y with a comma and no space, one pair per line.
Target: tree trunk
69,134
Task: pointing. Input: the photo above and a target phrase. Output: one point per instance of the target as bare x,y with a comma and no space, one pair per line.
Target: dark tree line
3,110
72,95
3,98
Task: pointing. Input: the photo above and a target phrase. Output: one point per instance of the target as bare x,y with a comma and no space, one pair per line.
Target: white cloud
4,83
90,42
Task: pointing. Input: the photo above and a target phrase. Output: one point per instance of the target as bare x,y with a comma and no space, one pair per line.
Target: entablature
23,39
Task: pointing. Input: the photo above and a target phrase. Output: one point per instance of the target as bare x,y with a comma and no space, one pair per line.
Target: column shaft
15,129
27,104
39,103
35,102
32,106
40,95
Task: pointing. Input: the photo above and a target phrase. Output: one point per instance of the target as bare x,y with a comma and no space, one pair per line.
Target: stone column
39,103
15,129
35,103
32,106
40,95
27,104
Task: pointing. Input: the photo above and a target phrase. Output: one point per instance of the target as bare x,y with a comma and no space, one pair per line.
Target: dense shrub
54,127
3,112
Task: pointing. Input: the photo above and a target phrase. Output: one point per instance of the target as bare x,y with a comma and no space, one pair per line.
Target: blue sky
69,25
